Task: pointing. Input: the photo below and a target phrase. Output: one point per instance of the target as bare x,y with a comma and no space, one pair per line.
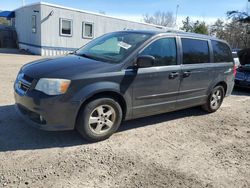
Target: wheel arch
108,94
224,85
217,83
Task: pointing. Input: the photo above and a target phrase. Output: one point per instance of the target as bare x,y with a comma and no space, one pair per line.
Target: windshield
113,47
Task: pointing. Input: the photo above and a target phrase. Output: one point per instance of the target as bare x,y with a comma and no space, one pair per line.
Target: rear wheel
215,99
99,119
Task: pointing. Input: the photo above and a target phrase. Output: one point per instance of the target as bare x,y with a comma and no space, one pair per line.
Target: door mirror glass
144,61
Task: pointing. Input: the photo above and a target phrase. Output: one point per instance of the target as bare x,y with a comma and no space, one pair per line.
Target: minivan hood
68,67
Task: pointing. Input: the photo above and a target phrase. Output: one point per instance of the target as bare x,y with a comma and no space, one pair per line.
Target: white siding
23,27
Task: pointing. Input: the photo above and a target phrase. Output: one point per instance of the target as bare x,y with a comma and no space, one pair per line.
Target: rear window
195,51
222,52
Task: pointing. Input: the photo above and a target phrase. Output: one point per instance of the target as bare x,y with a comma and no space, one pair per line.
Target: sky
203,10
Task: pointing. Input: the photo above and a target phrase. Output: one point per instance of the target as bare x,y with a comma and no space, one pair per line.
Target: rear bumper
230,88
47,113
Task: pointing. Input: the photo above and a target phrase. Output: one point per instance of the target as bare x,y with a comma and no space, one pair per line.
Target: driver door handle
173,75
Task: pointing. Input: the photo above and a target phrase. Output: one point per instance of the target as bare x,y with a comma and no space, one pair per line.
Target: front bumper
51,113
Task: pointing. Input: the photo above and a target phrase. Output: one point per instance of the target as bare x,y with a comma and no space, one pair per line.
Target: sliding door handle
186,74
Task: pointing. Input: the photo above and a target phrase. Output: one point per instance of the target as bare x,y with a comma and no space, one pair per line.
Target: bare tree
234,32
218,29
160,18
239,28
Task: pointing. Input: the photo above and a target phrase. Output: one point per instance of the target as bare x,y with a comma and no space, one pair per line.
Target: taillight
235,70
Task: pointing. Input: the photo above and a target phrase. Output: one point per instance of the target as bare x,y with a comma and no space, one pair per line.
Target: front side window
222,52
113,47
88,30
33,23
164,52
65,27
195,51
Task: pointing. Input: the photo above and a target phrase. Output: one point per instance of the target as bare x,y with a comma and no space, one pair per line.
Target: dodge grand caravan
124,75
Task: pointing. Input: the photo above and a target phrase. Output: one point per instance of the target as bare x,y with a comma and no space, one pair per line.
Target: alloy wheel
216,99
102,119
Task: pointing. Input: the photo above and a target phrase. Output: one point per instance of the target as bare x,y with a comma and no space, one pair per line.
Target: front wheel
99,119
214,100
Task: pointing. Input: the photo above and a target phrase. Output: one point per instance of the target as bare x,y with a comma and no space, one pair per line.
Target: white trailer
48,29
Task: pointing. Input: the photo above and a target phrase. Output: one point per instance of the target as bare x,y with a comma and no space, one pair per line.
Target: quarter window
88,31
164,51
33,23
195,51
222,52
65,27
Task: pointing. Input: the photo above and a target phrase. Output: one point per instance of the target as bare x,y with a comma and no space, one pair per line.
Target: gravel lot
188,148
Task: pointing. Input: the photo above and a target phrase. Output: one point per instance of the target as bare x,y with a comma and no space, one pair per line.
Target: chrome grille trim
22,85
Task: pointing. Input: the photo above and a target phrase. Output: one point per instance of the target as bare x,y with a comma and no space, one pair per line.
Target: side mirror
145,61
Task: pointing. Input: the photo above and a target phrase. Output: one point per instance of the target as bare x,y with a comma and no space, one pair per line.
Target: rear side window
222,52
164,51
195,51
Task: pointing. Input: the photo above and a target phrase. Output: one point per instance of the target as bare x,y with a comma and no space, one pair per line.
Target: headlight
52,86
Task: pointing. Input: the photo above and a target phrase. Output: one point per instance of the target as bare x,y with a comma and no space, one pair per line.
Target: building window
88,30
33,22
66,27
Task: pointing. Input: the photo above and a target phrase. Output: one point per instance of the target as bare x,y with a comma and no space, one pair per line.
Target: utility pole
176,15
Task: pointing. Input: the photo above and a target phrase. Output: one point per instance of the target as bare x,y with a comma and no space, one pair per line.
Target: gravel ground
188,148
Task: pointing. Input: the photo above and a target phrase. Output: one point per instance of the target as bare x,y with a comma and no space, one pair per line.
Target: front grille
27,78
23,86
23,83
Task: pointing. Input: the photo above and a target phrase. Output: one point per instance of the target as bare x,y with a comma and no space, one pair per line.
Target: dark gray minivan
124,75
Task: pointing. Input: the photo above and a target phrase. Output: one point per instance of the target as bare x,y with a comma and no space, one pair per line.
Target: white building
48,29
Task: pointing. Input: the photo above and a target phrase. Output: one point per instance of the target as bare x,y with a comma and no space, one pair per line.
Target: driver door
155,89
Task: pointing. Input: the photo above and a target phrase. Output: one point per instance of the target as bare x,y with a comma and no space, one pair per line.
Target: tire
99,119
217,94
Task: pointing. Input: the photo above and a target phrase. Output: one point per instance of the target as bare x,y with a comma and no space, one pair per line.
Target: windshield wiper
86,56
